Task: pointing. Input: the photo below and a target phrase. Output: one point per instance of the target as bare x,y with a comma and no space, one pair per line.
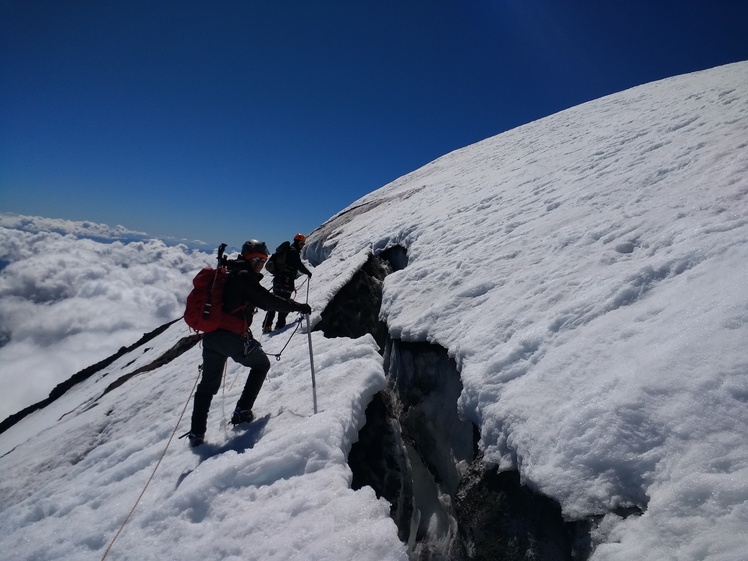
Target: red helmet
299,238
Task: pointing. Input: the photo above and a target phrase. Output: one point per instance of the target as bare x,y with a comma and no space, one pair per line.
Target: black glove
309,275
303,308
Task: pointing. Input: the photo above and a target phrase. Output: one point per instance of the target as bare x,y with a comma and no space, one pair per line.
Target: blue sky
227,120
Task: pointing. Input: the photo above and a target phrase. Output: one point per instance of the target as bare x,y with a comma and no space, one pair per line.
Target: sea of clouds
73,293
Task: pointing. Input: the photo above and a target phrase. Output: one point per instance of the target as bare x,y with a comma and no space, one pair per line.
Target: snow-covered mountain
563,306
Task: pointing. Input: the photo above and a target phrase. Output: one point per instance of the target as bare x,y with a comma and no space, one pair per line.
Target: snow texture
588,272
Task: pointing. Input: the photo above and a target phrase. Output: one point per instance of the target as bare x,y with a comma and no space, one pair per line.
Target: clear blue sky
233,119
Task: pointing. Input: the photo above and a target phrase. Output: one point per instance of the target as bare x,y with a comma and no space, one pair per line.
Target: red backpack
204,310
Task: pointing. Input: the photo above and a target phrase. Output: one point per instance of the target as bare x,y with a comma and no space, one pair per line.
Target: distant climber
242,295
285,265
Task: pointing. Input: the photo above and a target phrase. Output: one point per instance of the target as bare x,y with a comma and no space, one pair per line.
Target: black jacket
244,292
293,259
284,278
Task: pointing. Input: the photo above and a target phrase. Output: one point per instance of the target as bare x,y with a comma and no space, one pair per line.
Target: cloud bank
72,293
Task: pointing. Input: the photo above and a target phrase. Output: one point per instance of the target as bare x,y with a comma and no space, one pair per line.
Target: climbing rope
307,288
278,355
181,416
158,463
297,322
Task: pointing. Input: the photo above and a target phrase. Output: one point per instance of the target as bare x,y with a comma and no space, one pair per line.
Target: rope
181,416
236,376
223,389
163,454
278,355
297,322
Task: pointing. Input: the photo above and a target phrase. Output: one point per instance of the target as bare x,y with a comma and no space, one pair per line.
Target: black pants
217,347
267,325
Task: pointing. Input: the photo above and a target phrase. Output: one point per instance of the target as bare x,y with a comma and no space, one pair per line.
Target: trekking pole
311,354
311,362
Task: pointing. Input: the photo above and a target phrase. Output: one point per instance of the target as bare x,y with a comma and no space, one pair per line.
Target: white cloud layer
68,301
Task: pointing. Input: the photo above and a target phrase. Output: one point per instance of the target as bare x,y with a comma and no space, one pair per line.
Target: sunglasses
258,260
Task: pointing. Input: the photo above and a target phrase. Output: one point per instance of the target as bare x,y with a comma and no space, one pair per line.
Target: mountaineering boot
242,416
281,323
194,438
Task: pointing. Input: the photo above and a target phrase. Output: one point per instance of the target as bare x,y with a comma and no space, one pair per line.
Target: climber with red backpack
238,282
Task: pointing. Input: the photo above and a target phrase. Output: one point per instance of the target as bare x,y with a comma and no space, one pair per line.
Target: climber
285,265
242,294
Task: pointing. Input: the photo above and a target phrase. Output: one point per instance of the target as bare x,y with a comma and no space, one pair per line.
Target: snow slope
589,274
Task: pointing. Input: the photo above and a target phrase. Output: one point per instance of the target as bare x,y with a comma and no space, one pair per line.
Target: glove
309,275
303,308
